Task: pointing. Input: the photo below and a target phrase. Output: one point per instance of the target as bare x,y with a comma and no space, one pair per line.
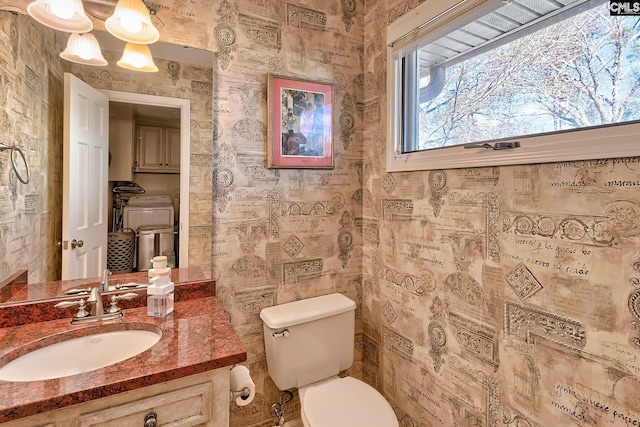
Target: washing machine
152,218
148,210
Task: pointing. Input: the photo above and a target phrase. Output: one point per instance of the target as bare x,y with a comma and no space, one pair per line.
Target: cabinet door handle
151,419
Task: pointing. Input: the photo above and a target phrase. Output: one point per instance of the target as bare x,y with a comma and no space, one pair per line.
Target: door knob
76,243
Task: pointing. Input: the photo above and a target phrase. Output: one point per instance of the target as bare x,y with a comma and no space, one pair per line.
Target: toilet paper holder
243,393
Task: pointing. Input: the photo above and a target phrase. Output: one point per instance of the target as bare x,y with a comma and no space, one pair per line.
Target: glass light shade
62,15
131,22
137,57
83,49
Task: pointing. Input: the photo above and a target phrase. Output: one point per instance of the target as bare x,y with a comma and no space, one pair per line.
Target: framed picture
300,124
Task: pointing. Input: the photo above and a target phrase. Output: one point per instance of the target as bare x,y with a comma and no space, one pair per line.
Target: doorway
166,113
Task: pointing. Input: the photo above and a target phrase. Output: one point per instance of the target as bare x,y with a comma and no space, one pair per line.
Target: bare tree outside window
581,72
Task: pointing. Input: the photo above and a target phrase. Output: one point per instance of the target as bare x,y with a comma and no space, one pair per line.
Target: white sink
79,355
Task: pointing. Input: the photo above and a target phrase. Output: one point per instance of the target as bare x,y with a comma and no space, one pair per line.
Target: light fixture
83,49
137,57
131,22
62,15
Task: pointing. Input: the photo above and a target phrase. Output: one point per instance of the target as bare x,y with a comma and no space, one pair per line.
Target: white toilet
308,342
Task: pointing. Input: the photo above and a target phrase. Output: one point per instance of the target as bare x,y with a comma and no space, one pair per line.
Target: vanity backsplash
25,303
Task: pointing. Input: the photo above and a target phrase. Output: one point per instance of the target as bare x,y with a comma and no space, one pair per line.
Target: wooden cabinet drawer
197,400
185,407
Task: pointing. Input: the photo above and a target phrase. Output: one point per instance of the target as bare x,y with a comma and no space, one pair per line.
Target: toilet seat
345,402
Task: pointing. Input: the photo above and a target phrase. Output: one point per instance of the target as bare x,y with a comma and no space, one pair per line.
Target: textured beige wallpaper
30,117
281,235
499,296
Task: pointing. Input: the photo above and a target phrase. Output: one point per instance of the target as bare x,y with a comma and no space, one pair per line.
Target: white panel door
85,175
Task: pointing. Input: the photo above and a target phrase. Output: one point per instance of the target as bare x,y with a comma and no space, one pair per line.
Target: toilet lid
347,402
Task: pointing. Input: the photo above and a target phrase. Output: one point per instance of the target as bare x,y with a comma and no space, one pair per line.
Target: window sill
597,143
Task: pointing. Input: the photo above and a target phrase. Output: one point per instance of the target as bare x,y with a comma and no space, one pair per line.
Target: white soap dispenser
158,262
160,293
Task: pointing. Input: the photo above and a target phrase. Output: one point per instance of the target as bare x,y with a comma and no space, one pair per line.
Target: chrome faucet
98,312
96,298
105,279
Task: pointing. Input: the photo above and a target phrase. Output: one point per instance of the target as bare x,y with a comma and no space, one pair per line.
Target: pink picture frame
300,124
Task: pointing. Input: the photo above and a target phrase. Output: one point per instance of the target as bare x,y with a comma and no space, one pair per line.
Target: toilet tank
309,340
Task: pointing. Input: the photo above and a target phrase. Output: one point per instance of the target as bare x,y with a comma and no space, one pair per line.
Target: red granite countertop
196,337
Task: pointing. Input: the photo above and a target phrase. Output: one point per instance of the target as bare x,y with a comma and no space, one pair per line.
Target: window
490,82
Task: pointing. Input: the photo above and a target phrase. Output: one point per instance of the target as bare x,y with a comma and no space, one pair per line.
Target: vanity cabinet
158,149
197,400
